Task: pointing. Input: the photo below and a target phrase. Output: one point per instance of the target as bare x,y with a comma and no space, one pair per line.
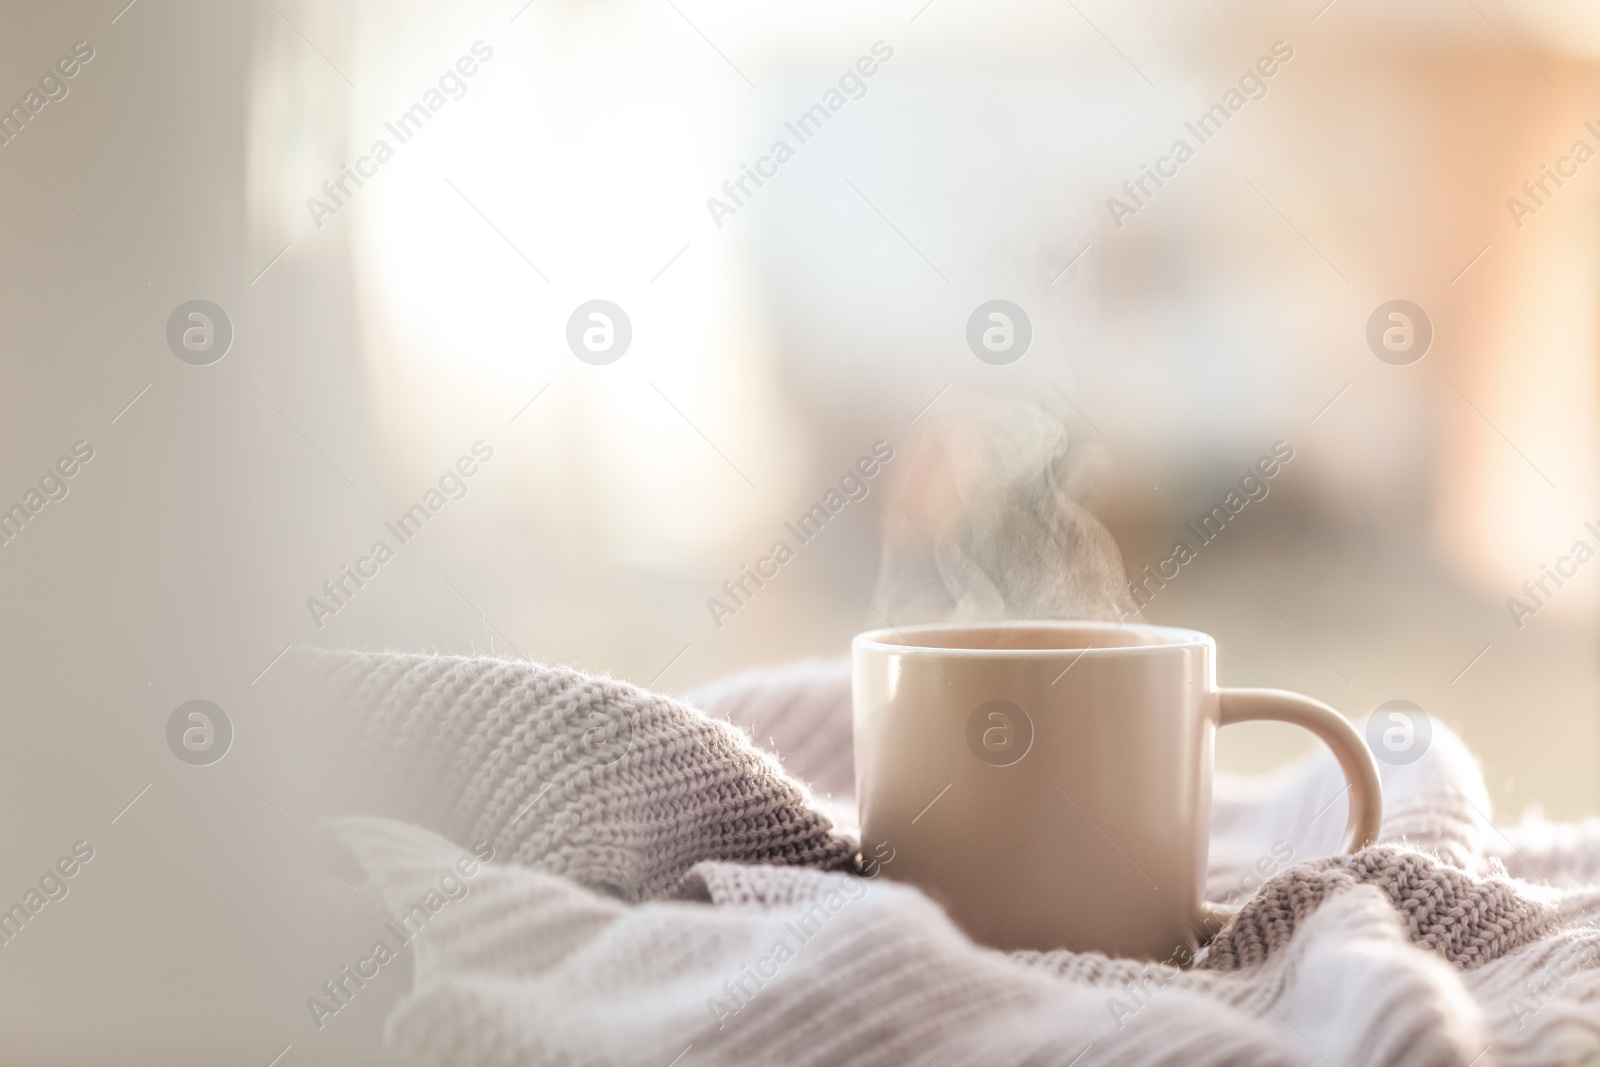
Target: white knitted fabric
664,893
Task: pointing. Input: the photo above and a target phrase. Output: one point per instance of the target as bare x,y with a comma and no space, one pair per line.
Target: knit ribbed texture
737,938
589,778
780,707
1469,921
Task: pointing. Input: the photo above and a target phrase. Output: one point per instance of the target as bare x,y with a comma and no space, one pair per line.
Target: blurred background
382,328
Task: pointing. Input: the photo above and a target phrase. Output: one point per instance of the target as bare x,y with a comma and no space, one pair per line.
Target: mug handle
1366,791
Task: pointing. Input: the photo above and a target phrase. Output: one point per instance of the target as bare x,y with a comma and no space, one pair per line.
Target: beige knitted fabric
738,939
619,789
1469,921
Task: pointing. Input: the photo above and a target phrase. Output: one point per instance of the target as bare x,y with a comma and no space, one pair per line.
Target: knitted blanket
667,890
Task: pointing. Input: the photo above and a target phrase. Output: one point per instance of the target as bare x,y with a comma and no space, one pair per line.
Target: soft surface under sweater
665,891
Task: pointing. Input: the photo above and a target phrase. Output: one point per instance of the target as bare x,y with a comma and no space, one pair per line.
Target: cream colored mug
1050,782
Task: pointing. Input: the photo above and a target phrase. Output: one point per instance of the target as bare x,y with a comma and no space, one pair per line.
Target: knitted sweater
665,891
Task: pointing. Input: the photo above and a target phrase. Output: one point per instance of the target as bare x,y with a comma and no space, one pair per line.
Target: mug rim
897,638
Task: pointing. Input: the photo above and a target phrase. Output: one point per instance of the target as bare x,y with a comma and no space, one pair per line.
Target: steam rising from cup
985,523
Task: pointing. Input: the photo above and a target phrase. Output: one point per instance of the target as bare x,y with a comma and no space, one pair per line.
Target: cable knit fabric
665,891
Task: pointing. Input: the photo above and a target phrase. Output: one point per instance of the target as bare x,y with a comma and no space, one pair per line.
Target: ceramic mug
1050,782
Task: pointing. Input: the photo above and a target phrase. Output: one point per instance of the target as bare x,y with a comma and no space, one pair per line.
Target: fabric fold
585,777
661,887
